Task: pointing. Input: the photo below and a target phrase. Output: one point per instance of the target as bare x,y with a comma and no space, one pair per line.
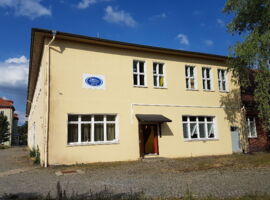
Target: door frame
141,138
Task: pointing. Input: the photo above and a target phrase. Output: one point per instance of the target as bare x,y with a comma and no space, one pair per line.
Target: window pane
192,119
161,81
223,85
187,83
191,72
201,119
193,130
72,117
208,85
110,132
134,66
141,66
86,117
192,83
186,71
160,68
207,73
209,119
135,82
72,133
99,132
210,128
155,81
141,79
185,130
204,84
98,117
184,118
86,132
252,129
155,68
202,130
110,117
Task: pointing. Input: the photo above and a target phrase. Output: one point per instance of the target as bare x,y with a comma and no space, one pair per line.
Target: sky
192,25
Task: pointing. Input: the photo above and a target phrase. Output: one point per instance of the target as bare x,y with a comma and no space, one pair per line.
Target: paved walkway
159,178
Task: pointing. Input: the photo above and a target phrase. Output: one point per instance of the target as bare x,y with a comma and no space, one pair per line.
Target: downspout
48,100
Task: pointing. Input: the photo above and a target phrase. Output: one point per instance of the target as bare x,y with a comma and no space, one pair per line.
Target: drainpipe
48,100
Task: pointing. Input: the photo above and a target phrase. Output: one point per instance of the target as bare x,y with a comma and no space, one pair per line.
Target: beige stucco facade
69,60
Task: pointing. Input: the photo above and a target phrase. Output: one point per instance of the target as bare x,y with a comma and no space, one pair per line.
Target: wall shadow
166,130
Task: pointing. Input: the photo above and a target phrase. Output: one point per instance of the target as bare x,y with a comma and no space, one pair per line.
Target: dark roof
152,118
39,35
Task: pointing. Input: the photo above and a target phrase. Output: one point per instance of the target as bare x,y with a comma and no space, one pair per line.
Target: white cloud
118,17
208,42
221,22
14,72
86,3
183,39
22,117
160,16
28,8
20,60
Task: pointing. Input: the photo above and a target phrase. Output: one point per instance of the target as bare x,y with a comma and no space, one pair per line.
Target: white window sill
92,143
252,137
194,140
140,86
155,87
209,90
191,89
224,91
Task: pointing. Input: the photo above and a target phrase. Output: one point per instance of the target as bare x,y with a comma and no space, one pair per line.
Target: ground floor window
251,127
198,127
92,129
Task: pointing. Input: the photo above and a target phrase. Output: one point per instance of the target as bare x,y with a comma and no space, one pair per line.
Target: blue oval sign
94,81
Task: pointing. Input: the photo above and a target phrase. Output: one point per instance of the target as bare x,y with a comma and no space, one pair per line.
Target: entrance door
148,139
236,146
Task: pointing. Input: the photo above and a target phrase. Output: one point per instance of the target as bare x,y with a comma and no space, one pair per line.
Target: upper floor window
138,73
190,77
251,127
207,78
91,129
198,127
222,80
158,75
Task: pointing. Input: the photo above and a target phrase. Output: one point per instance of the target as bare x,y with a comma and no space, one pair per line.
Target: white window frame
93,122
222,80
157,75
138,73
205,78
205,122
188,78
248,119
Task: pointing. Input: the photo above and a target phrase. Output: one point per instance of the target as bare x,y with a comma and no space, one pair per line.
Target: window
190,77
158,72
207,78
200,127
138,73
251,127
91,129
222,82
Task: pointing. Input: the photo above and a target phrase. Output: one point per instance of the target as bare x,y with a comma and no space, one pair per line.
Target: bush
32,152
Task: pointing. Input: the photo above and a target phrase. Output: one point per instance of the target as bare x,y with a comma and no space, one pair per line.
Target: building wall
8,112
36,118
69,61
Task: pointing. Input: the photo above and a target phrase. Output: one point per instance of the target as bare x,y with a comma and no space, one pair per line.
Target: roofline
45,33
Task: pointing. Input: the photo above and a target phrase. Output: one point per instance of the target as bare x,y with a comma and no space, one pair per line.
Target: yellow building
95,100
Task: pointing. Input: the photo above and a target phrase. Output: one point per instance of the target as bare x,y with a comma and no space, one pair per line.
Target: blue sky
193,25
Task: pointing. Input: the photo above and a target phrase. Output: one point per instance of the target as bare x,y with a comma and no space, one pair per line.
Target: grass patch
2,146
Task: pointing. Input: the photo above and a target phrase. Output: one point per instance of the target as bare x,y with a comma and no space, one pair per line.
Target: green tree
4,135
22,130
251,20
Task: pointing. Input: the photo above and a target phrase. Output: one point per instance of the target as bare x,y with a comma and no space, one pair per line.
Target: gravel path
154,178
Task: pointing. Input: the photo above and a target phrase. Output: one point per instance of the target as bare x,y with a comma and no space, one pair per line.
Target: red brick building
258,137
